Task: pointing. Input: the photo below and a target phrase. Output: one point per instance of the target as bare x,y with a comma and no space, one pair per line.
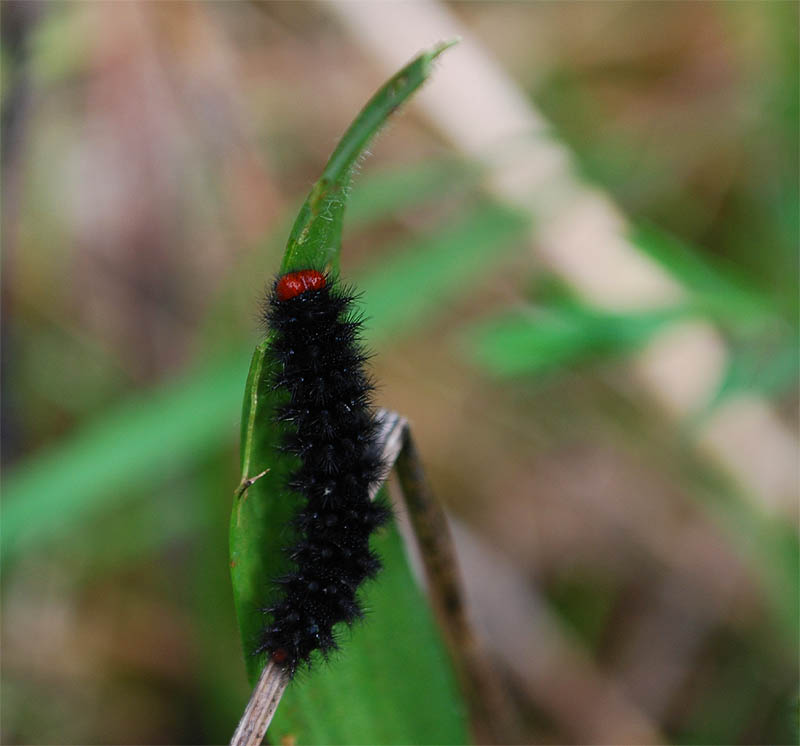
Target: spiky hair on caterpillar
328,423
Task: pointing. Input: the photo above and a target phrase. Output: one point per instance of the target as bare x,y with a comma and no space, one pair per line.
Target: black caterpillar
330,427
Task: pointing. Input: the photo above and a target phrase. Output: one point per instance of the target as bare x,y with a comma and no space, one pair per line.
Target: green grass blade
544,340
134,447
762,336
315,238
715,292
384,697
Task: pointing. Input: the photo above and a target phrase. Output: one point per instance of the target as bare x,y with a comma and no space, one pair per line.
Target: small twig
249,482
261,707
492,719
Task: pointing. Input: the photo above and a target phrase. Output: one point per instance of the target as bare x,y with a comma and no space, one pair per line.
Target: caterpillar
328,424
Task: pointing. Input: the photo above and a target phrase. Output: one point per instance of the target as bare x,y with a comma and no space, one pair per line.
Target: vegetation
153,158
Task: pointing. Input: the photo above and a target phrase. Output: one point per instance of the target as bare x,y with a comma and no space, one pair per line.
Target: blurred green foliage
118,471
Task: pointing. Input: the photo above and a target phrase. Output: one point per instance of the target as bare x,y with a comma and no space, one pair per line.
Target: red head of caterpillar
295,283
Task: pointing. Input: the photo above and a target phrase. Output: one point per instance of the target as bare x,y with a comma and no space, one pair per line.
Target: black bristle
329,425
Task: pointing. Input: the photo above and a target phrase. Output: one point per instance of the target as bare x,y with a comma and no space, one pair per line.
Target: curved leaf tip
315,238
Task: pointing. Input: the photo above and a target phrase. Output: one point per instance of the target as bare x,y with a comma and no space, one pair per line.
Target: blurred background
613,429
